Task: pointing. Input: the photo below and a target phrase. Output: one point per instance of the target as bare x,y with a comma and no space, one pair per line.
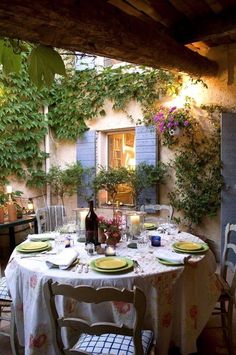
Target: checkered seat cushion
4,294
112,343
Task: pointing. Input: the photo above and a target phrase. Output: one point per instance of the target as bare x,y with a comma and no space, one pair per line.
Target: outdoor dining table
180,298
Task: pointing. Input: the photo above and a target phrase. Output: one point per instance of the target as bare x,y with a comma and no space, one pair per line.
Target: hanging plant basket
176,131
171,124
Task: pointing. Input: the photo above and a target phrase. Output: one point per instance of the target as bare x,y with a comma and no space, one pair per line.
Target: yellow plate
149,226
187,246
110,263
34,245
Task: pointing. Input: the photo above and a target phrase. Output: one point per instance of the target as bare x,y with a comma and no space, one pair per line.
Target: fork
137,267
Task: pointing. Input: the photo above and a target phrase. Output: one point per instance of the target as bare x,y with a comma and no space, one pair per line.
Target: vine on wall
22,127
197,167
82,96
78,97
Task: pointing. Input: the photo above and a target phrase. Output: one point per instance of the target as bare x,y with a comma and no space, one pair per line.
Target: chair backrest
155,208
228,260
91,295
48,218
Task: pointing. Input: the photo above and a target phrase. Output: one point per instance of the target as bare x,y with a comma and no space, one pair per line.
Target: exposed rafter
207,28
98,27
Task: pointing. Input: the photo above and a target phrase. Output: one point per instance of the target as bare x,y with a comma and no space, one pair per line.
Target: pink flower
173,109
186,123
33,281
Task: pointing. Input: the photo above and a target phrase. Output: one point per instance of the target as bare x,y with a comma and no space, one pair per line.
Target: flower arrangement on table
170,121
110,228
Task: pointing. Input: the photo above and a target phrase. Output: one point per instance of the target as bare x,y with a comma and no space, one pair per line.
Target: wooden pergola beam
97,27
207,28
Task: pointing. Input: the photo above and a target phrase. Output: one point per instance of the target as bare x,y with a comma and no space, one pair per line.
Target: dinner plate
127,268
204,248
169,263
149,226
32,247
188,246
110,263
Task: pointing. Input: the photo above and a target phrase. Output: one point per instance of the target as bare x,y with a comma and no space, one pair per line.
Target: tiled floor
210,342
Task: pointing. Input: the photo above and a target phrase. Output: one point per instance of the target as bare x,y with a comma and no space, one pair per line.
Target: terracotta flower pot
1,214
12,212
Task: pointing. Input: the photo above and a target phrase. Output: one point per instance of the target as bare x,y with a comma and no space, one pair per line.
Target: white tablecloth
180,299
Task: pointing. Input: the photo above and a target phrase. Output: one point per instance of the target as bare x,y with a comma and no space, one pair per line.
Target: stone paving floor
210,341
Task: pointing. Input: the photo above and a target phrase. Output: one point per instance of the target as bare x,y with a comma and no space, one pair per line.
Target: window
121,153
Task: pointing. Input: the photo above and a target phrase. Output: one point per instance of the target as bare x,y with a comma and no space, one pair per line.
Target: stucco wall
218,92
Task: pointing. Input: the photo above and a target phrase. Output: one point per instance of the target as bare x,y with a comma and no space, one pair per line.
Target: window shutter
86,154
147,151
228,157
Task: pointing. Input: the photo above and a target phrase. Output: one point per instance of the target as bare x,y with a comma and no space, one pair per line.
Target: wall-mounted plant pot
175,131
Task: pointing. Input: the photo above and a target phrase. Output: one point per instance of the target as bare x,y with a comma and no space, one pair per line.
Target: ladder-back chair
152,209
49,218
100,337
227,279
6,307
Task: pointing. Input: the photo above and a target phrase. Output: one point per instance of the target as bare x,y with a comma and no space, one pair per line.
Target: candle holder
81,214
155,240
110,250
134,222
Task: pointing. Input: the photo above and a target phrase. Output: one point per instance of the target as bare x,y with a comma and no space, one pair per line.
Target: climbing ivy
82,95
22,127
78,97
197,166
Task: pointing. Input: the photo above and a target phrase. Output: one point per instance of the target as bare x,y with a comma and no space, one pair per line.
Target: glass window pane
121,153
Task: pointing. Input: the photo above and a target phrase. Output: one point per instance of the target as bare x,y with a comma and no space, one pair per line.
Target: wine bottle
91,226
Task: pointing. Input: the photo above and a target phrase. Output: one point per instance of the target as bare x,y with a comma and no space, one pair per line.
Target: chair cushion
112,343
4,294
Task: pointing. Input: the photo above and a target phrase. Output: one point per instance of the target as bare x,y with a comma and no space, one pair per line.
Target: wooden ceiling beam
207,28
97,27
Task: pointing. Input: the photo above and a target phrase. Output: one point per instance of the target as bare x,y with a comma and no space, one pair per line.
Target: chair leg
13,335
229,328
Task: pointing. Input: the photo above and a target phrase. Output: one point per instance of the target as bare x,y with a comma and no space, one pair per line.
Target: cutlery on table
137,267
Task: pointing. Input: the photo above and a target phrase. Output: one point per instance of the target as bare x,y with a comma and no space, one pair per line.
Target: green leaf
10,61
44,62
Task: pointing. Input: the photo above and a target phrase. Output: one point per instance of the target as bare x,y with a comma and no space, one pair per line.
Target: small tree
144,176
65,181
109,179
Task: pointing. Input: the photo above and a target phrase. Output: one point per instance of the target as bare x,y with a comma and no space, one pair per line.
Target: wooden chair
227,279
155,208
6,306
100,337
48,218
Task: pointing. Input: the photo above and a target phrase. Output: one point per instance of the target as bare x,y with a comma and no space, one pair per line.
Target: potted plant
144,176
109,179
111,229
65,181
3,199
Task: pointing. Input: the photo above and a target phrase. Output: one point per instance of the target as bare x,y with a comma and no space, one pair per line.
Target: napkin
42,236
172,257
62,260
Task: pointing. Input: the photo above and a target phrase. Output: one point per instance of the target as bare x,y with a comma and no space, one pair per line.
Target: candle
110,250
9,189
83,215
134,224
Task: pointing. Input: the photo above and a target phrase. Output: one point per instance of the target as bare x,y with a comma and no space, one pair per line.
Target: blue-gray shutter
86,154
147,151
228,157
